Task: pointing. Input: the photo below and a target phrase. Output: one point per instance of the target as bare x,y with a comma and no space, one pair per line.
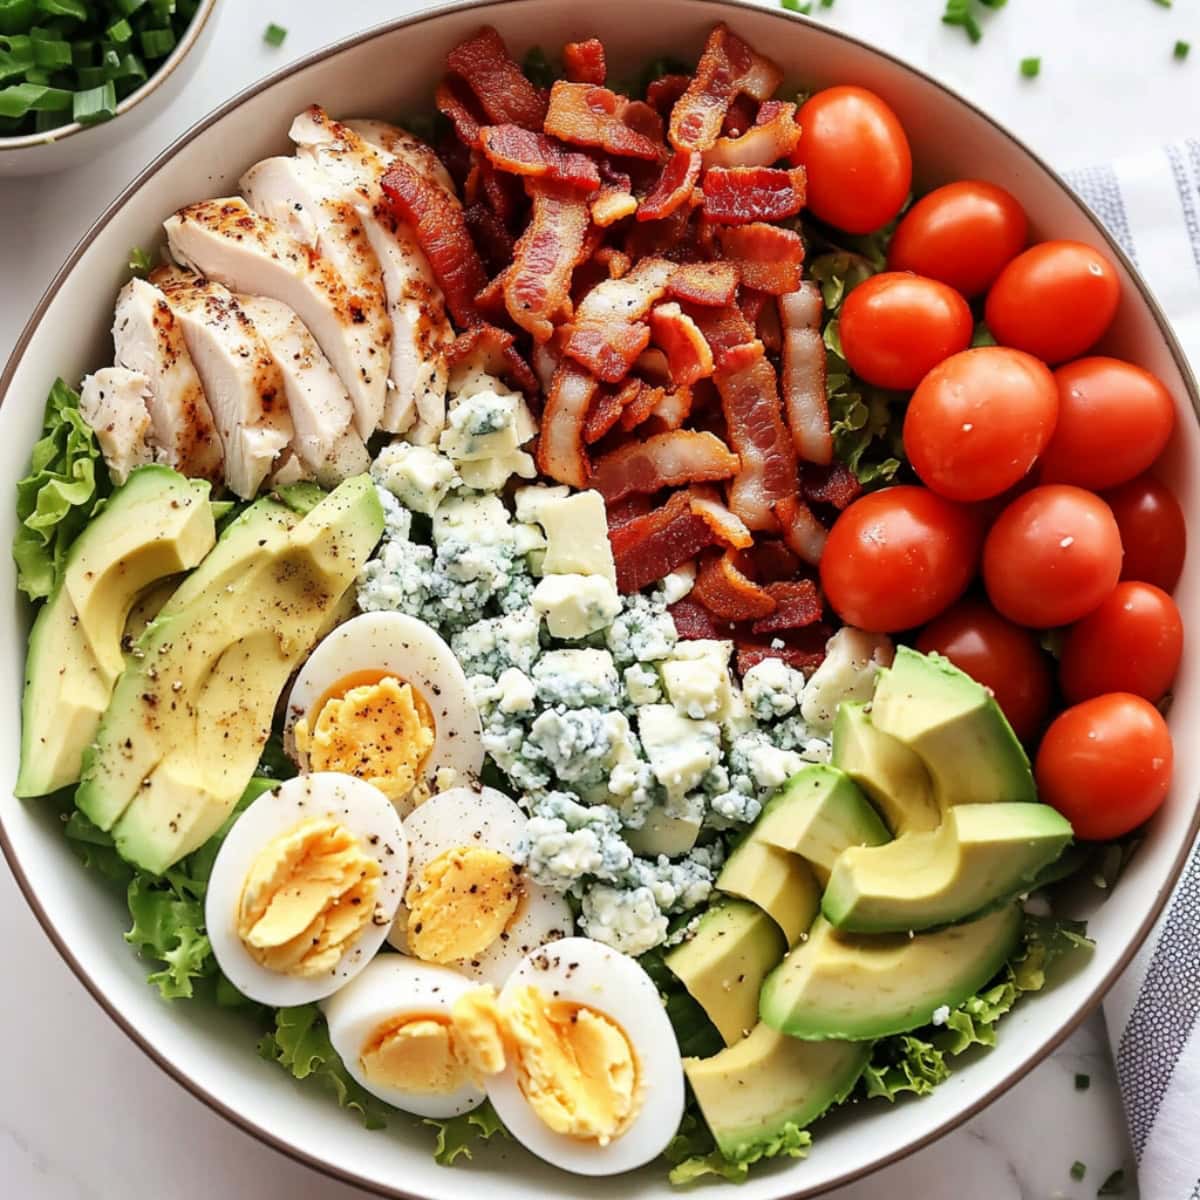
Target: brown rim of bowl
294,1152
182,49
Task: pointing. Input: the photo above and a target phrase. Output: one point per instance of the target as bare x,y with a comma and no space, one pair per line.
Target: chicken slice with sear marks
399,143
113,403
241,379
227,241
149,340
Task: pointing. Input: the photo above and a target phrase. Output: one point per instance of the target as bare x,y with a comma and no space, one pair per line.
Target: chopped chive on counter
1082,1082
1031,67
1164,3
958,12
1078,1170
1114,1185
1181,50
274,34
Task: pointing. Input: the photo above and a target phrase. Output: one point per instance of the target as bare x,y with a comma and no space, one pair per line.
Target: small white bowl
63,147
391,71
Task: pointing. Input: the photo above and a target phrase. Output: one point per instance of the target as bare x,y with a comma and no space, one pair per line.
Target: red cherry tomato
1055,300
1052,556
1113,421
895,327
978,420
897,558
1153,531
963,234
1106,765
1132,643
1002,656
857,158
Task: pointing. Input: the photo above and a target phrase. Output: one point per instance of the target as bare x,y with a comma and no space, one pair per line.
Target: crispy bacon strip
802,374
612,205
689,357
628,298
615,261
739,195
662,93
454,100
712,284
835,484
770,561
641,407
673,408
774,135
723,329
584,61
750,400
803,533
490,298
436,218
498,354
533,155
674,186
767,257
606,409
490,235
727,68
607,348
725,591
694,621
739,118
624,511
806,654
728,528
560,452
503,92
662,461
587,115
649,547
797,605
537,286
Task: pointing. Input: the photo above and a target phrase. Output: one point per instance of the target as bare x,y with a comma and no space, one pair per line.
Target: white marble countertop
82,1113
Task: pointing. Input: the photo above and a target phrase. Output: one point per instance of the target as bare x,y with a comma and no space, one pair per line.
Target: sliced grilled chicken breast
421,332
148,340
326,443
227,241
113,403
399,143
241,379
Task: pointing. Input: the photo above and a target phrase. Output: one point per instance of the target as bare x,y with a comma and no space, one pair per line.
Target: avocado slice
781,884
817,814
752,1091
724,963
955,727
980,854
845,985
893,777
155,525
191,713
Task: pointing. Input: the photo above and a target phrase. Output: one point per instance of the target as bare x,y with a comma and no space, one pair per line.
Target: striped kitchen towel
1152,206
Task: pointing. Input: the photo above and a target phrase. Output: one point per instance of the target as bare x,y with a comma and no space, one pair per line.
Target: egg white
361,808
587,972
415,654
389,987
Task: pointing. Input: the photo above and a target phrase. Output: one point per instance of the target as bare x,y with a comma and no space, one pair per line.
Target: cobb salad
549,610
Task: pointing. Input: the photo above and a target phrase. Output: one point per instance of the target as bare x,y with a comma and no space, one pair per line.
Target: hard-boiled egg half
469,904
384,698
305,887
392,1028
578,1057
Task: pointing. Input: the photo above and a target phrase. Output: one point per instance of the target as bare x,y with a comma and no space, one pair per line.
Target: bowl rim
247,1124
183,47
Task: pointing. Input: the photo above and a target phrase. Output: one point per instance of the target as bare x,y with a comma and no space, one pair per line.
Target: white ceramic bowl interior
390,73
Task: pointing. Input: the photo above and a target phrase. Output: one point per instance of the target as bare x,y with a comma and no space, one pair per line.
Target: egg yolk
575,1065
381,731
460,903
307,896
418,1054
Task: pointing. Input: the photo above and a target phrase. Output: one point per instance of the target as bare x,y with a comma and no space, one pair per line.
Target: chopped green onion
1114,1185
1078,1170
157,43
1030,67
1082,1082
139,261
826,3
1164,3
958,12
51,53
24,98
75,9
15,15
119,31
274,34
1181,50
128,7
95,104
797,6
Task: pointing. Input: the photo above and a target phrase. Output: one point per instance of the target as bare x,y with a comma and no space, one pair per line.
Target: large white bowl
388,72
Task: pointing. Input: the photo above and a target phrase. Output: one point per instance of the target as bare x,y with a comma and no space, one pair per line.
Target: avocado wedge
858,987
781,884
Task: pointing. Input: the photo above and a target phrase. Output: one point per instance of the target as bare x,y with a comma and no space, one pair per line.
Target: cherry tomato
1002,656
963,234
978,421
895,327
1106,765
1052,556
857,157
1132,643
897,558
1113,421
1055,300
1152,531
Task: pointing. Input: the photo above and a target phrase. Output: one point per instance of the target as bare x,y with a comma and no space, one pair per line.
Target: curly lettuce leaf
64,489
693,1152
94,848
458,1136
904,1064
